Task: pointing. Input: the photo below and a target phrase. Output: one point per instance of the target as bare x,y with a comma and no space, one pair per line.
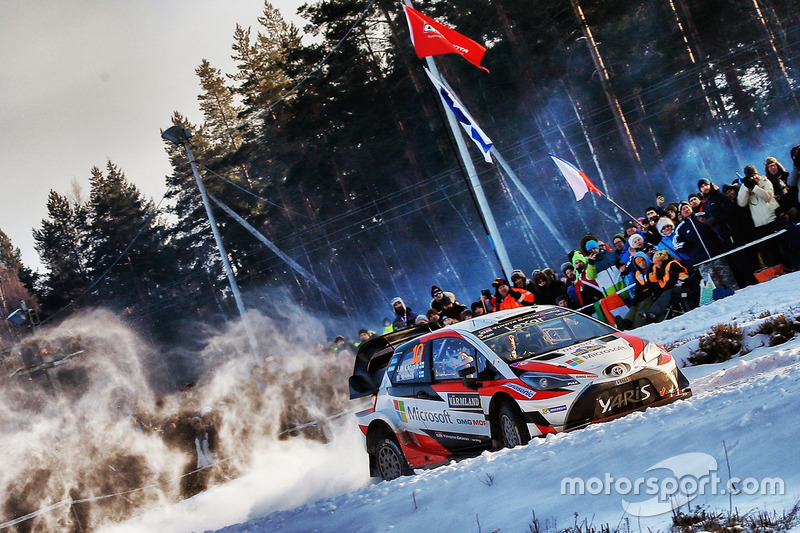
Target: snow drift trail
747,405
92,443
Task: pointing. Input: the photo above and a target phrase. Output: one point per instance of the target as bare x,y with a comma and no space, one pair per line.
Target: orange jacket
512,299
673,273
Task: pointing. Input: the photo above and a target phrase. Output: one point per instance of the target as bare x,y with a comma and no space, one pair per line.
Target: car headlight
542,381
651,352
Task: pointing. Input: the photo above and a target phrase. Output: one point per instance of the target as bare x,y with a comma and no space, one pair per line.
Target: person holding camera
757,194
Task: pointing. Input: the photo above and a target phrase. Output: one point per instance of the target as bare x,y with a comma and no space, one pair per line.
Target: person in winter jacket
665,274
506,297
437,295
717,212
519,281
434,318
583,291
694,238
404,316
547,289
757,193
666,231
643,294
452,309
604,267
778,177
619,242
698,203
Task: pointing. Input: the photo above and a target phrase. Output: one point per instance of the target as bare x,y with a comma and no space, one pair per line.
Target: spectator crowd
652,266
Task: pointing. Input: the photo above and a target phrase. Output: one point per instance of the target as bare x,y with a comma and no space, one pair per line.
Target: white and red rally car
499,380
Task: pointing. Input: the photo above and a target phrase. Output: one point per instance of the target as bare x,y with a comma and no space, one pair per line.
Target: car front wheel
511,427
390,459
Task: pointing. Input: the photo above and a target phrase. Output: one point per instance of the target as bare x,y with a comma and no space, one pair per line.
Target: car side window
451,355
411,366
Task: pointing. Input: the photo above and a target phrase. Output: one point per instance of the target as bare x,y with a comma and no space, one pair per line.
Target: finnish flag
450,100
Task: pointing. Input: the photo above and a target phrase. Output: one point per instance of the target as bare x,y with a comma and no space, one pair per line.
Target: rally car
498,380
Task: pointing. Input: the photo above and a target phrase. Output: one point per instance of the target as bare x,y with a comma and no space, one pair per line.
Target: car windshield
540,333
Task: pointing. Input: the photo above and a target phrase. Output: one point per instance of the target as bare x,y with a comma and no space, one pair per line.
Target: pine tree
62,244
125,241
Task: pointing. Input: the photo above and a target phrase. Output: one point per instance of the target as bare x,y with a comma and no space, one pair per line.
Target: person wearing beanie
643,294
434,319
629,227
477,308
618,241
547,289
703,187
506,297
579,261
451,309
666,273
519,281
698,204
636,243
695,239
779,177
568,280
666,231
603,267
582,291
758,195
437,295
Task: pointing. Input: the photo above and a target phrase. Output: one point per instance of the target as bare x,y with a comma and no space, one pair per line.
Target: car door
409,372
454,413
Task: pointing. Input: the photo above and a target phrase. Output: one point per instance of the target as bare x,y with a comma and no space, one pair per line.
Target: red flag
431,39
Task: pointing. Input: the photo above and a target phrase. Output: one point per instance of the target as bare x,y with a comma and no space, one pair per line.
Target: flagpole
493,233
529,198
618,206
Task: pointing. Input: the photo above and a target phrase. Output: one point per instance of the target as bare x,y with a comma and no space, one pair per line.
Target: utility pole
178,134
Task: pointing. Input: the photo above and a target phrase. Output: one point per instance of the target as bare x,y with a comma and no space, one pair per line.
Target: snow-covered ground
742,419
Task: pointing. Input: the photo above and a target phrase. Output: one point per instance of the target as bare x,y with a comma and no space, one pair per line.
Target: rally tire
390,460
511,427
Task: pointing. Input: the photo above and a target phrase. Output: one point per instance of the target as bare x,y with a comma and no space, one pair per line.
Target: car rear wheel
511,427
390,459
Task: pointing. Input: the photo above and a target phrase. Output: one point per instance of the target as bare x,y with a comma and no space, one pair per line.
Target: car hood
593,356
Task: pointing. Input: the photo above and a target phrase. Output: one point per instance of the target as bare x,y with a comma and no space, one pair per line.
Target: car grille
602,401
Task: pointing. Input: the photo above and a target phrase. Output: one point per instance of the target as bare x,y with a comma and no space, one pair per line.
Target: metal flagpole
480,198
289,261
529,198
178,134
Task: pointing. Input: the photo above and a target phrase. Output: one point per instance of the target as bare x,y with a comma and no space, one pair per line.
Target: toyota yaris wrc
499,380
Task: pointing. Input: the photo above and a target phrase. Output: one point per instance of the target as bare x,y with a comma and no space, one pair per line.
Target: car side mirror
466,371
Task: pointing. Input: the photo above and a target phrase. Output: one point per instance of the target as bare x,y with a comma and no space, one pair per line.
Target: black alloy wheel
512,429
390,459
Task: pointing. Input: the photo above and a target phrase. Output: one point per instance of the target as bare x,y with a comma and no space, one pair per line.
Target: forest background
334,147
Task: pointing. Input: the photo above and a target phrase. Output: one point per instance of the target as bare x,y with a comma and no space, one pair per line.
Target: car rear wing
373,357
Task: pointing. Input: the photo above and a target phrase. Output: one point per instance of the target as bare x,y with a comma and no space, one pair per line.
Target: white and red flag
579,182
431,39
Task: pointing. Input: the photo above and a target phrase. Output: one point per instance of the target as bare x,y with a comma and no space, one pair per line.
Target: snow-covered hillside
746,406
